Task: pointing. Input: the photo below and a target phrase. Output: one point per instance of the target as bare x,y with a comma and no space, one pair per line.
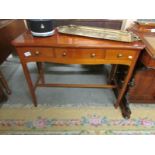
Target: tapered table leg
124,105
112,73
124,87
41,71
30,84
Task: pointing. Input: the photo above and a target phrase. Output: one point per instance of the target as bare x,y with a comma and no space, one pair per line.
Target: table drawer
35,52
64,53
120,54
75,55
79,53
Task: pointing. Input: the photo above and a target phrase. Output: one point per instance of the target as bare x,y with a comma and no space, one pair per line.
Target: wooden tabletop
61,40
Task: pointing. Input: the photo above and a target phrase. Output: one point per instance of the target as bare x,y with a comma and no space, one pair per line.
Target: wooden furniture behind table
4,88
9,29
68,49
143,89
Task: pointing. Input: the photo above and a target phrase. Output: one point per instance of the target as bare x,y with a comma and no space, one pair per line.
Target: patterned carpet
68,111
71,121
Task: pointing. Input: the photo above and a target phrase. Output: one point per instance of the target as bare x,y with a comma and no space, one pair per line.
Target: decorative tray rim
100,33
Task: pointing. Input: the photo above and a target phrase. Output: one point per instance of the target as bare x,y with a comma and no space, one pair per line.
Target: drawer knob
64,54
119,55
37,52
130,57
93,55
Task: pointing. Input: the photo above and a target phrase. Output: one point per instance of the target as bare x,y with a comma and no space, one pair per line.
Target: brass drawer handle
64,54
93,55
37,52
130,57
119,55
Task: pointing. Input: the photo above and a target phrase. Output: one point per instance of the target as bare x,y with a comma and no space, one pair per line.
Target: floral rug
69,121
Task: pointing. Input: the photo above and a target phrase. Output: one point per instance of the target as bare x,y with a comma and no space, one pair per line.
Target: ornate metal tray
96,32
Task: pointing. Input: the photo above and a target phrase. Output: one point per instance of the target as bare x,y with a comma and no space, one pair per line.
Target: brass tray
101,33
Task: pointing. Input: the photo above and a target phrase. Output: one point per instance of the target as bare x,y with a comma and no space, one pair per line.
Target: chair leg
4,83
112,73
3,96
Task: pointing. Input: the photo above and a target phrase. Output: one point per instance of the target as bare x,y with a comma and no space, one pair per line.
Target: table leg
41,71
4,83
112,73
124,87
30,84
124,105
